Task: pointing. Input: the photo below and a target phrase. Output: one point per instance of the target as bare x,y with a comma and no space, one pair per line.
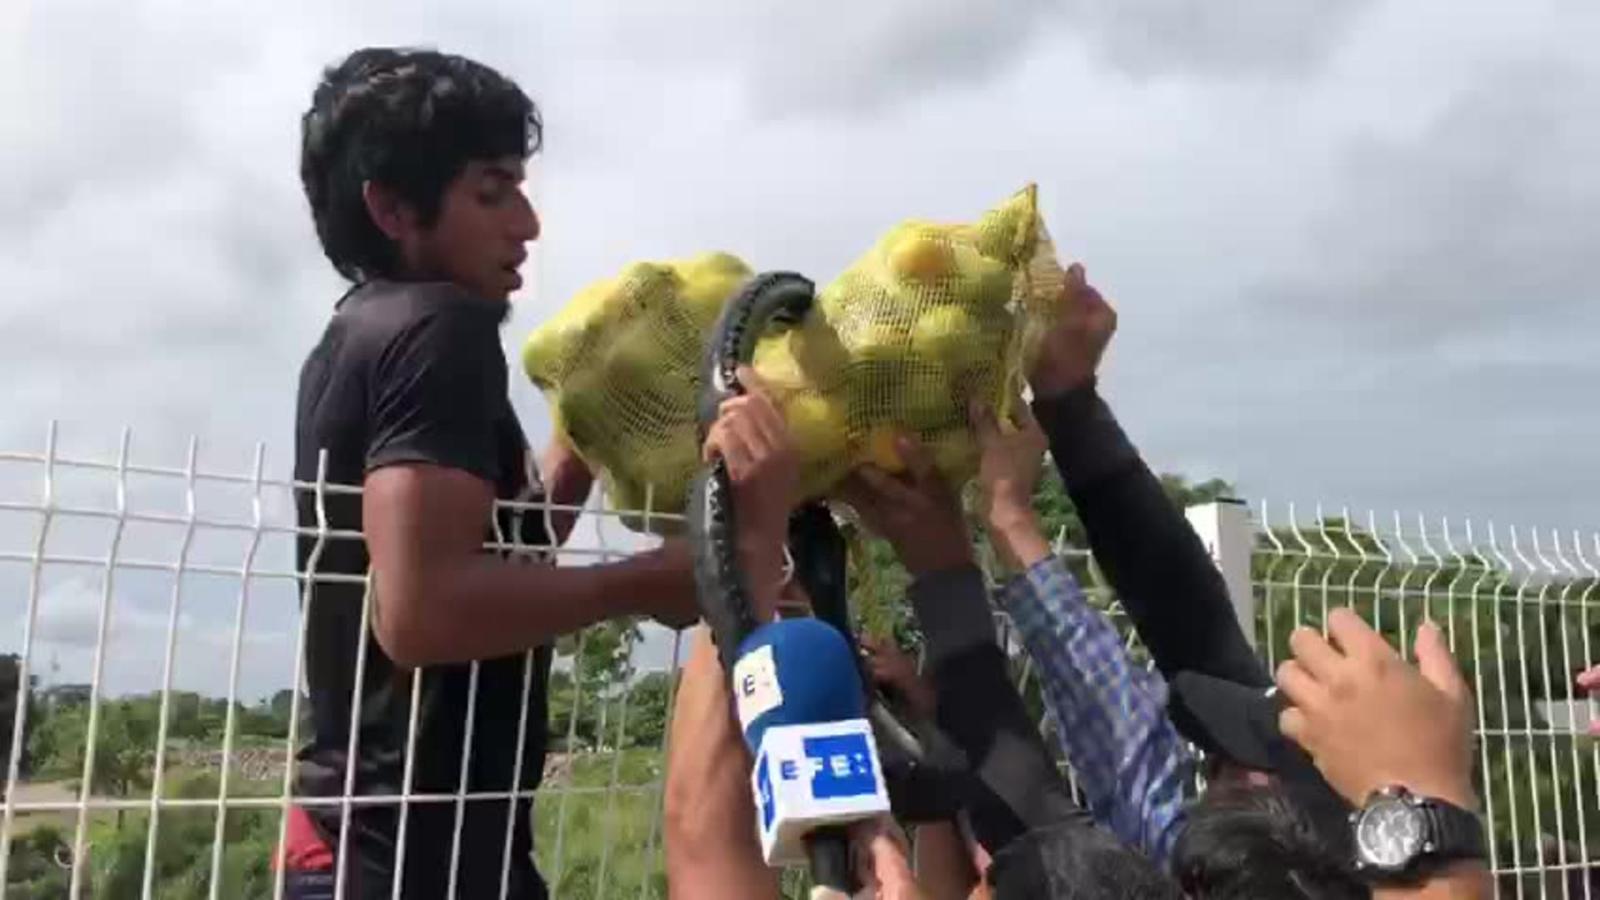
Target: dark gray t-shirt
414,372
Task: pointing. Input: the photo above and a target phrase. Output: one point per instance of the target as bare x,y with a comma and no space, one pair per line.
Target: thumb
1589,679
1436,663
984,424
751,380
885,861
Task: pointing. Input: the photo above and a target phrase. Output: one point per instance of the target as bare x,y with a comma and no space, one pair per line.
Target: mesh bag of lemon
932,317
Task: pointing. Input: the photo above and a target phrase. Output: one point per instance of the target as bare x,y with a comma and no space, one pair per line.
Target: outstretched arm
1110,714
1158,566
1014,786
710,833
710,820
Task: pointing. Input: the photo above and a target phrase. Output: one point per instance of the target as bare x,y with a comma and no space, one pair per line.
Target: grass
594,840
596,820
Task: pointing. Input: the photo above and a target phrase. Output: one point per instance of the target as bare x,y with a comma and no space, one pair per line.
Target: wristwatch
1399,835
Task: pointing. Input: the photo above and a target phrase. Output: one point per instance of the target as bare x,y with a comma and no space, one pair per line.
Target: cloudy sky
1350,241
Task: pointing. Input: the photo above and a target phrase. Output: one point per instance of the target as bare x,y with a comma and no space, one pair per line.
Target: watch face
1389,833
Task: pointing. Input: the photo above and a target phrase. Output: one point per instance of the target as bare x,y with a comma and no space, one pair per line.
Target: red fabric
304,850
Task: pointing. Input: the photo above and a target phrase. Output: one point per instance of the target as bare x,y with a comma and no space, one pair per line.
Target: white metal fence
153,611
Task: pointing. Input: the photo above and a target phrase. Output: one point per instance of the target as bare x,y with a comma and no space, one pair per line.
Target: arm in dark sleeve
1014,785
1158,566
434,392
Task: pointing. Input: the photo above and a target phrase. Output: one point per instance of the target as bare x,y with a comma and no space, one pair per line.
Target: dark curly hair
411,120
1250,842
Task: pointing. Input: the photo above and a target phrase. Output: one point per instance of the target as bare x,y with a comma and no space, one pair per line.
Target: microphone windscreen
795,672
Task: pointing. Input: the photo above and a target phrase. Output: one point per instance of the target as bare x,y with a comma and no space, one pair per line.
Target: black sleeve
1158,566
434,392
1013,787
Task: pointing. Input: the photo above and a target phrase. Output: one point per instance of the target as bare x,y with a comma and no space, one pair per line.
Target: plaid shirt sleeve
1111,715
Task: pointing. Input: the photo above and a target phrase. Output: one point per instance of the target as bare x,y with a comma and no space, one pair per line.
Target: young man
432,684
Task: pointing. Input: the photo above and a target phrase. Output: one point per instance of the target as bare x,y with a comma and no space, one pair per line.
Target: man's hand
893,668
1008,473
918,514
1368,719
753,440
882,862
1071,350
1589,680
678,607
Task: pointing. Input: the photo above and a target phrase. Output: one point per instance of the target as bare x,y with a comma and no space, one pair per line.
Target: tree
592,670
647,710
10,681
878,582
124,746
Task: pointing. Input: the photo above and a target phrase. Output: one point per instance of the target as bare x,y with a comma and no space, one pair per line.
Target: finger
918,461
1292,724
752,381
774,428
758,420
1356,638
1436,663
1077,279
730,443
885,858
984,424
1299,686
888,488
1022,417
1589,679
1315,655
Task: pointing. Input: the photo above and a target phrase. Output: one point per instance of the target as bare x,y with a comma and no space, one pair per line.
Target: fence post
1224,527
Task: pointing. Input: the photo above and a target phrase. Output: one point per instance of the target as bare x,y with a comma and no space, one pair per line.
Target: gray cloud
1427,342
1231,38
1484,220
855,57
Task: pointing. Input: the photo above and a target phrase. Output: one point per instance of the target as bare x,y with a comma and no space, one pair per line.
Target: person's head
413,162
1075,862
1250,838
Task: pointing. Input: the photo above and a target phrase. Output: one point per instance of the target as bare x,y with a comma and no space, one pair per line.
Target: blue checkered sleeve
1134,768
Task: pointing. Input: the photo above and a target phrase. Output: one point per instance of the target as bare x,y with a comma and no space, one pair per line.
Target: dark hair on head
1076,862
411,120
1258,842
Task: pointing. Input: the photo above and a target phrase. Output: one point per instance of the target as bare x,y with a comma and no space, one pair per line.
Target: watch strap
1454,833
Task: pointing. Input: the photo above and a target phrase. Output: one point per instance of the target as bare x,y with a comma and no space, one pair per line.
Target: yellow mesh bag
619,365
933,316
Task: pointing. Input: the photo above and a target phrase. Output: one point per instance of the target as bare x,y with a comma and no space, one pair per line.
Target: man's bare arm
440,599
710,819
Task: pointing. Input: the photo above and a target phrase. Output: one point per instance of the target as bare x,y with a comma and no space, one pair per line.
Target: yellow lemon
955,454
817,426
882,450
775,362
922,257
946,334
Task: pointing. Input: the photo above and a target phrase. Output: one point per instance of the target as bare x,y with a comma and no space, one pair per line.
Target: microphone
803,710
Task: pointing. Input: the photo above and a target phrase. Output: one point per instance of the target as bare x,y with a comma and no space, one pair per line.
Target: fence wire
158,659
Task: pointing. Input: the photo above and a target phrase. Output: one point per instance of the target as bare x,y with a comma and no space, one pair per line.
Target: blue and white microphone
803,709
